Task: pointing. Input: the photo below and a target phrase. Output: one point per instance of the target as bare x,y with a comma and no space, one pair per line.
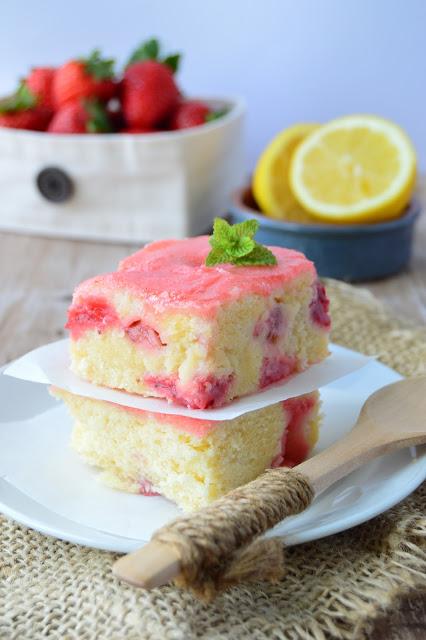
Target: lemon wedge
358,168
271,187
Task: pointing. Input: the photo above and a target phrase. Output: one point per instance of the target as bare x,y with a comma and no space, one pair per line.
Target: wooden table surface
37,279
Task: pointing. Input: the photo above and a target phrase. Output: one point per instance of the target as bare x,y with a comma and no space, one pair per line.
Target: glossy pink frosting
172,274
194,426
294,445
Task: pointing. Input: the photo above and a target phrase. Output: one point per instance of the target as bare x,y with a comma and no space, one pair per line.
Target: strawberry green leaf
98,121
21,100
215,115
98,67
148,50
172,61
234,244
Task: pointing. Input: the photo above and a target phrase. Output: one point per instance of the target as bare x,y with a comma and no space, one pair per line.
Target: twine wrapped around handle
217,545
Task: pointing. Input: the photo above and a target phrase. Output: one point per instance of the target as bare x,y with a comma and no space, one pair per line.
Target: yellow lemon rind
390,204
262,178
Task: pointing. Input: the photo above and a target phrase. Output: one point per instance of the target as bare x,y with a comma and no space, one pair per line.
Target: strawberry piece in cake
187,460
167,325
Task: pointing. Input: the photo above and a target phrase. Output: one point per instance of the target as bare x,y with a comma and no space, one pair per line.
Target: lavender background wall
309,60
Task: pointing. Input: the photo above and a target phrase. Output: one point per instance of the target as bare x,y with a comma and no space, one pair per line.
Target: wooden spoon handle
201,549
361,445
205,547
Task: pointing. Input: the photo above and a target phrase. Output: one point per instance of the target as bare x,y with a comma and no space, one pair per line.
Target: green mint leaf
247,228
21,100
149,50
216,256
242,247
260,255
221,232
215,115
98,67
172,61
234,244
98,121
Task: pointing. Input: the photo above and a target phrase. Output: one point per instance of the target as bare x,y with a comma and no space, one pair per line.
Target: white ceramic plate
45,486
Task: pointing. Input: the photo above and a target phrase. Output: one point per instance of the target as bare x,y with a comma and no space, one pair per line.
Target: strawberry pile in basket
85,95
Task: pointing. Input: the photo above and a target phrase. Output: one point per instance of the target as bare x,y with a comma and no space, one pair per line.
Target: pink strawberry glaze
146,488
271,328
276,368
141,333
166,384
97,313
319,306
294,446
93,312
204,392
171,274
194,426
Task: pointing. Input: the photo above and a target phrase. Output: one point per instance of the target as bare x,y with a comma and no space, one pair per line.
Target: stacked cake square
167,325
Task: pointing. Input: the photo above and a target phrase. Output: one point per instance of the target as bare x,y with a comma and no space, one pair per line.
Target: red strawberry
106,90
149,93
86,78
20,111
191,113
35,119
85,116
39,82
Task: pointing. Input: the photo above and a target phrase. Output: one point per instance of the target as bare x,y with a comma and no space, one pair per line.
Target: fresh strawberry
34,119
83,116
90,77
39,82
106,90
149,93
20,111
190,113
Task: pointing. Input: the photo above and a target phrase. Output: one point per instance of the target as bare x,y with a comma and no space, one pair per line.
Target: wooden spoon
392,418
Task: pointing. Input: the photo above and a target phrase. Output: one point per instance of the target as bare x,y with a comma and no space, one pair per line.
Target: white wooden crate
121,187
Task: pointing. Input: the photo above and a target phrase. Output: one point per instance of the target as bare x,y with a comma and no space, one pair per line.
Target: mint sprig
235,244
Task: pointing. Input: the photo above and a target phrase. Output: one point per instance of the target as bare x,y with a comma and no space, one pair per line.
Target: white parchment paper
50,365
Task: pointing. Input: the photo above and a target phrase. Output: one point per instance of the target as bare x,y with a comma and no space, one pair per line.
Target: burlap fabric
334,588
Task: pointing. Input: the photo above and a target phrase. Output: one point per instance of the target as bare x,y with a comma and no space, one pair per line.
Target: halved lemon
271,187
359,168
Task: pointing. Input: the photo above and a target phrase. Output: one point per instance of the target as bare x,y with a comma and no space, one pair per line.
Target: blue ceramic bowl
353,252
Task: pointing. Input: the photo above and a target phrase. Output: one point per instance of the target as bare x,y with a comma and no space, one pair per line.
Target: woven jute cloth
334,588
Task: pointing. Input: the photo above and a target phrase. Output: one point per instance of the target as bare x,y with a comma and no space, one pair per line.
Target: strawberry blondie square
190,461
167,325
